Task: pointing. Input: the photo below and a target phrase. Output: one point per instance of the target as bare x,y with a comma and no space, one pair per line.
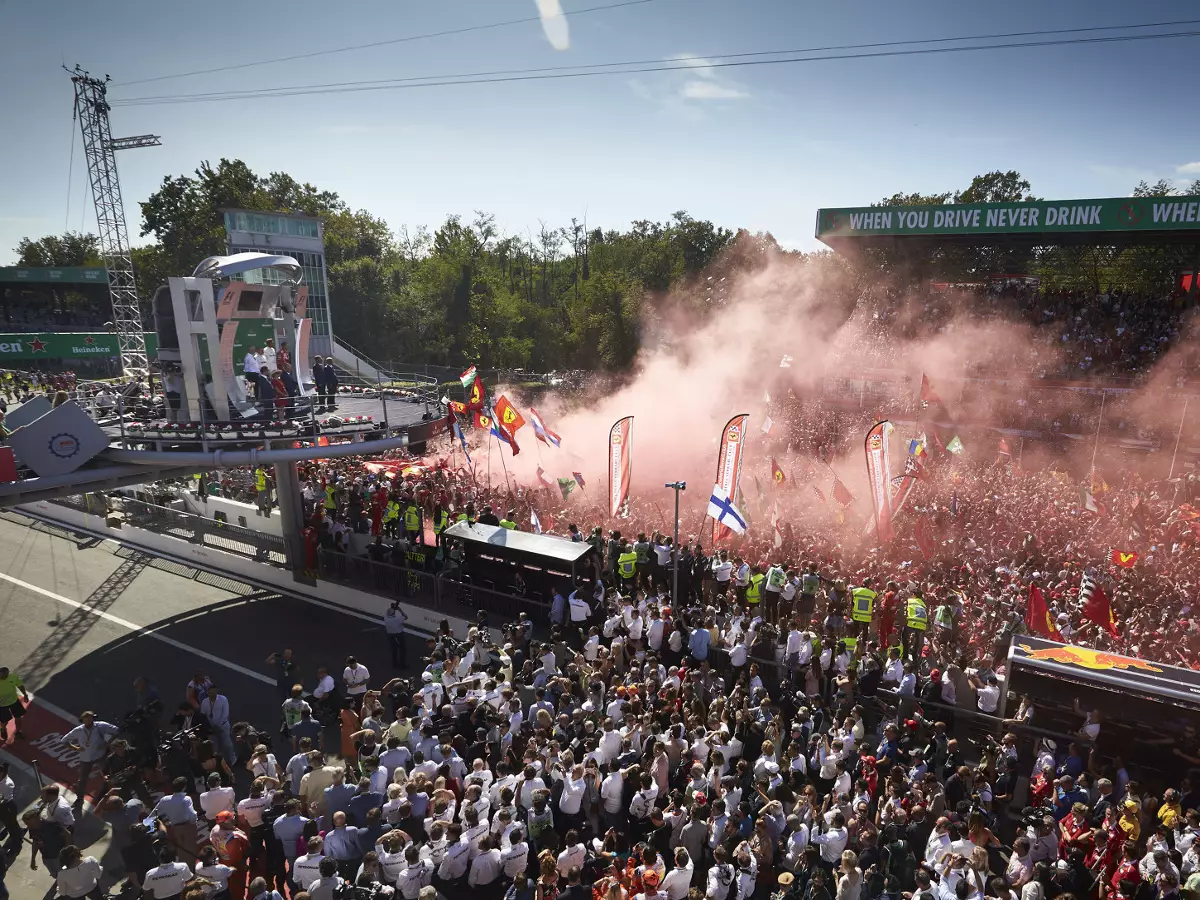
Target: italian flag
467,377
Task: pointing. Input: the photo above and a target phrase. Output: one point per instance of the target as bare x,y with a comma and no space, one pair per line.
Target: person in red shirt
1128,869
233,849
281,397
887,612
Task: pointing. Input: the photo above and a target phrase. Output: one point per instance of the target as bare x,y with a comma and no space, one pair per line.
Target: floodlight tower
91,108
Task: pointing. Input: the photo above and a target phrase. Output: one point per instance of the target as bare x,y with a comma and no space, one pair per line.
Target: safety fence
248,543
444,591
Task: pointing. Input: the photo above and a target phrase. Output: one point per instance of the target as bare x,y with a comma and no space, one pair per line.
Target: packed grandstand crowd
810,715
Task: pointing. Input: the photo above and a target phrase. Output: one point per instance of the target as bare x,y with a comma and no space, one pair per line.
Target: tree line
565,297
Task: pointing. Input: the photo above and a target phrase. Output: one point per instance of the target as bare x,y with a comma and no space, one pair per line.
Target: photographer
123,770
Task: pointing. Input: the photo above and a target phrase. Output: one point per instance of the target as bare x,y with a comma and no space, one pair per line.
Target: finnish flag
721,508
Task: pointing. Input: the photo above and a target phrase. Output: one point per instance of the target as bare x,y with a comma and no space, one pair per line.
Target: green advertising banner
81,345
14,275
1119,214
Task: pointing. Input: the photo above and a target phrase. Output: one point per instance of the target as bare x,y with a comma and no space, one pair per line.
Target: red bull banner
879,476
620,464
729,465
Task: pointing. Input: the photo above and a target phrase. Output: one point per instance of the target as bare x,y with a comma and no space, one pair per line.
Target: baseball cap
225,815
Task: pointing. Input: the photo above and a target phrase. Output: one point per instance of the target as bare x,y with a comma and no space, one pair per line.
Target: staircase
357,369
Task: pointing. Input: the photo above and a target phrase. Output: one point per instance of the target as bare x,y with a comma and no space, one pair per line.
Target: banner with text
620,464
729,466
59,345
1117,214
879,476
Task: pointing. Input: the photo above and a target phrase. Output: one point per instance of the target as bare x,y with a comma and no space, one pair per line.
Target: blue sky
759,147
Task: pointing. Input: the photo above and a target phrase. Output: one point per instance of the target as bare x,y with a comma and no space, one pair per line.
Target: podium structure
206,323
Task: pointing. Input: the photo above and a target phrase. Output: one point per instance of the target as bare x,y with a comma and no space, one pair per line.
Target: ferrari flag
620,464
1126,559
1037,616
729,467
777,474
506,414
476,394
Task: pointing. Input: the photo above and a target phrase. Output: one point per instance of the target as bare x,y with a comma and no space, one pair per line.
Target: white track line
138,629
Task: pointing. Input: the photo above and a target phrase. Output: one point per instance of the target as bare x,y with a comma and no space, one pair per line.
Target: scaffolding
91,109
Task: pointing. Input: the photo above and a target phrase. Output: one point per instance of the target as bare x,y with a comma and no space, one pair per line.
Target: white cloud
1192,168
554,24
711,90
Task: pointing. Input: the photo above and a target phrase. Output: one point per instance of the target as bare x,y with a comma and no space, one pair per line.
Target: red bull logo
1087,658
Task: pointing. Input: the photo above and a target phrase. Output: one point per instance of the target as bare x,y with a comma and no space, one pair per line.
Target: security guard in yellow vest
330,500
467,515
916,621
441,521
627,565
862,607
507,521
412,522
391,519
262,491
754,588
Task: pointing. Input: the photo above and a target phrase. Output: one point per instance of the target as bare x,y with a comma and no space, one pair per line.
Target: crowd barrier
441,591
244,542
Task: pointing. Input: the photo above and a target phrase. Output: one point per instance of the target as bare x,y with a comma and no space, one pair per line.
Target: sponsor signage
1117,214
59,345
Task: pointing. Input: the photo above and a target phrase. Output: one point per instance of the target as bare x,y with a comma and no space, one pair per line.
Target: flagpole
1099,421
489,459
507,486
1178,436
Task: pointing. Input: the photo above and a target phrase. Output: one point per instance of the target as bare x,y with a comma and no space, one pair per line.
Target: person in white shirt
722,569
268,356
486,867
90,740
574,855
416,874
167,878
209,867
217,798
515,858
79,876
215,707
251,370
307,868
328,883
679,879
832,841
355,677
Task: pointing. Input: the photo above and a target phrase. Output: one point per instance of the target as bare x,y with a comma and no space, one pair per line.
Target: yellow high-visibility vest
918,616
862,604
260,479
754,589
393,511
412,518
627,564
440,521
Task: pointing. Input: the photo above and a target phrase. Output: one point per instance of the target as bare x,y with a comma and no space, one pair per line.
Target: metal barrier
245,542
436,591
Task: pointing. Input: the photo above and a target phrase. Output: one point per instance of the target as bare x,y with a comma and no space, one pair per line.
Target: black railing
244,542
440,591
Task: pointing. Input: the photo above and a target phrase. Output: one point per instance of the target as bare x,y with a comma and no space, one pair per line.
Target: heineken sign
82,345
1119,214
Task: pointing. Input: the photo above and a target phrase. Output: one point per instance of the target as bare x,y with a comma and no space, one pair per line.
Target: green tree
71,249
996,187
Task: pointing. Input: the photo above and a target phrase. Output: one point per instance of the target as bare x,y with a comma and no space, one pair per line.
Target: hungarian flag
510,420
1124,559
1096,607
468,377
476,395
841,494
928,394
777,473
1037,616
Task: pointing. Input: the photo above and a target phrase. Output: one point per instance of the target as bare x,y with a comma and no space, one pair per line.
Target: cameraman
123,770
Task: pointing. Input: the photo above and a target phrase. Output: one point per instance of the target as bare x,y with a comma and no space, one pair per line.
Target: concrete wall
356,602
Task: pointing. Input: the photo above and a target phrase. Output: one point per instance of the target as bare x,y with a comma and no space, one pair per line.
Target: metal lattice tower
91,107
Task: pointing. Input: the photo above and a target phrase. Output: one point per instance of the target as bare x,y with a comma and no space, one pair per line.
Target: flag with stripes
1096,605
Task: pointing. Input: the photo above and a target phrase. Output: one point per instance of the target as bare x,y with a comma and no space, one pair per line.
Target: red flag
841,494
1003,450
1124,559
928,394
1037,616
510,420
476,396
458,408
1097,609
777,473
